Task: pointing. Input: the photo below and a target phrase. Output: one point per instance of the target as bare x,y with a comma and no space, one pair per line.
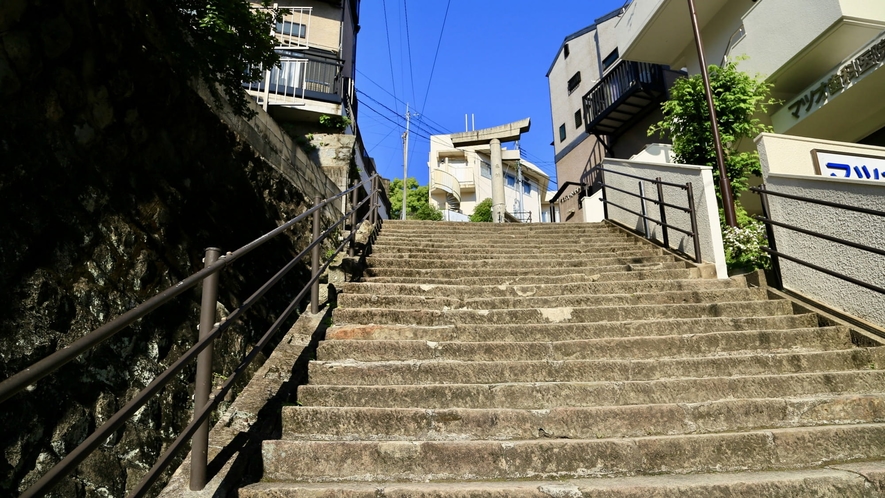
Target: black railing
776,255
204,404
598,174
622,81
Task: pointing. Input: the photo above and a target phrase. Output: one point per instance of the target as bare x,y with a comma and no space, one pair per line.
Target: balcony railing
625,94
297,79
445,181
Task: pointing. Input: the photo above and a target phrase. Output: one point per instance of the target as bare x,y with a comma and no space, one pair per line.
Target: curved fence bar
204,408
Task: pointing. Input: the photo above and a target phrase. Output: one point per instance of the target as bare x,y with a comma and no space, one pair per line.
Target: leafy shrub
482,212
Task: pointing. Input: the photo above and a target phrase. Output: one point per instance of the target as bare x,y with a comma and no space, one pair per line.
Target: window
565,50
510,180
578,119
562,133
573,82
609,59
526,187
485,169
288,28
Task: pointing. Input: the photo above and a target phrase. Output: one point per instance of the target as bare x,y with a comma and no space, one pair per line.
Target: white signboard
854,166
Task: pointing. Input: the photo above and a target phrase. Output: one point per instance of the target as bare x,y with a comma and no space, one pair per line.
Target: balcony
297,80
629,91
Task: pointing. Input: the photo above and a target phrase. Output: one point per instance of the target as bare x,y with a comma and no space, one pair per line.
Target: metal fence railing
795,258
204,404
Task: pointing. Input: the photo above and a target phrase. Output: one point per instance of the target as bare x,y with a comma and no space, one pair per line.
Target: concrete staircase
573,361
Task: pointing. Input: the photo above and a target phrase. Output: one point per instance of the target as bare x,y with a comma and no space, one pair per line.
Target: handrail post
315,260
203,379
354,199
642,210
694,223
374,202
769,232
664,231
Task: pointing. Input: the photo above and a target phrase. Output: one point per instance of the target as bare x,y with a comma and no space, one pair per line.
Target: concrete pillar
498,207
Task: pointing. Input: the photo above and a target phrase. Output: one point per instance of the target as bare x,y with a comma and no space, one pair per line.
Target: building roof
588,29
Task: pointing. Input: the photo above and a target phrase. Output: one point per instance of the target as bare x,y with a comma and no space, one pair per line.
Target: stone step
461,424
503,291
459,250
422,461
858,480
411,372
481,261
481,243
570,331
548,395
438,303
507,271
670,346
559,315
678,272
469,228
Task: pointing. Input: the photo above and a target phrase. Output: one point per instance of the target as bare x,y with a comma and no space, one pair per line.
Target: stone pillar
498,207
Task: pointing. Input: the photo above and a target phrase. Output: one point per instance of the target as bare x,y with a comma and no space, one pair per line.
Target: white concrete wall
856,227
701,178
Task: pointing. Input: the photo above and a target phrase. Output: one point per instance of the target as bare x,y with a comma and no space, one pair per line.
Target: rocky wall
114,176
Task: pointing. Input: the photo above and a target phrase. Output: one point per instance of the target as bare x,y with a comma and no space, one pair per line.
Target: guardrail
204,404
776,255
659,201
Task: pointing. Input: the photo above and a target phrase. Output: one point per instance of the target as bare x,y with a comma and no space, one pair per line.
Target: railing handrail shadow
772,250
209,330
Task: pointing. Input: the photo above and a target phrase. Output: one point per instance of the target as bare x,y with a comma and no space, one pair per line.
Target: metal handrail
202,410
659,201
771,249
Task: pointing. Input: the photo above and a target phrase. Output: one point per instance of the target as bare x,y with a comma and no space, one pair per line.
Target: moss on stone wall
114,176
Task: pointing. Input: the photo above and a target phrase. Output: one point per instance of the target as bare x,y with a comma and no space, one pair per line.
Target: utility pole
402,215
724,182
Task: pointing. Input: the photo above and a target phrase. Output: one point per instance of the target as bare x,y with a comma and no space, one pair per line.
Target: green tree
417,201
737,97
219,42
482,212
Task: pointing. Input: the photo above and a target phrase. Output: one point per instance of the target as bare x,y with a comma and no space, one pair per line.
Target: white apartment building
461,177
824,57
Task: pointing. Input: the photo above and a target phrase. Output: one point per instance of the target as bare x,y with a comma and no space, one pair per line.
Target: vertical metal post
602,187
664,231
374,202
769,232
203,379
354,199
694,223
642,210
724,183
315,260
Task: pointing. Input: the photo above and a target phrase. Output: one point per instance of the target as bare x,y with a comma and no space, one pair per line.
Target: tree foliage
417,201
482,212
737,97
219,42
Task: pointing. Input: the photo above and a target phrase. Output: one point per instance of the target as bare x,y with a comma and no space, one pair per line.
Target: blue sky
492,60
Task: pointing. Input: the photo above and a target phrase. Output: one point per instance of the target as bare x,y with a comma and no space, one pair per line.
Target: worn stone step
670,346
481,260
560,315
403,264
539,290
507,272
479,243
460,424
438,303
460,250
570,331
678,272
422,461
411,372
857,480
548,395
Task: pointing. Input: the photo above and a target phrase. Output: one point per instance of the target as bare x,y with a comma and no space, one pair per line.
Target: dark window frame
562,132
574,82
